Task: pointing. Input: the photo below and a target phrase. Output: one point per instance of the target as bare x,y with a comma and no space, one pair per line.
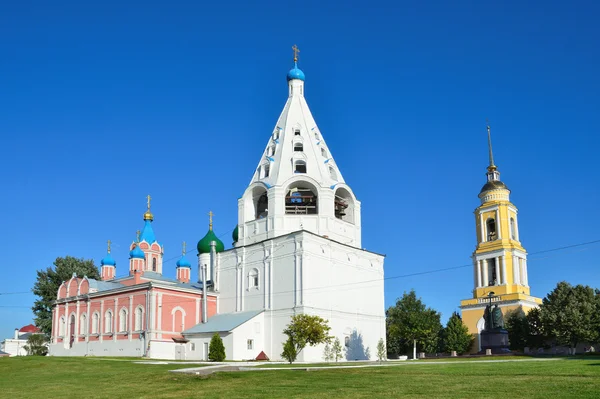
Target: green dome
236,234
204,244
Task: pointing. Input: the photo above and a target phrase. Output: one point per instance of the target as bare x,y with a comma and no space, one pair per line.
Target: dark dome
493,185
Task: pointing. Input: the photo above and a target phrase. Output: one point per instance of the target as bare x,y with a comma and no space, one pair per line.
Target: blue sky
104,103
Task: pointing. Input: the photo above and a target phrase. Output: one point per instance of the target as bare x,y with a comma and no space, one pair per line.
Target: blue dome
137,253
108,261
183,262
295,73
148,233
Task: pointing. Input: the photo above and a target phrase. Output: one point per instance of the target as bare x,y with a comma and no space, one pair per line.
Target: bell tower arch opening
344,205
301,198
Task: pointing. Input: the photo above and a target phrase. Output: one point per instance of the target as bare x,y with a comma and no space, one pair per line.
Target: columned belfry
499,260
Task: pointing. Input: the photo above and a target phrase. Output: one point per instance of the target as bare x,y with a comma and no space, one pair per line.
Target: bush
216,349
289,351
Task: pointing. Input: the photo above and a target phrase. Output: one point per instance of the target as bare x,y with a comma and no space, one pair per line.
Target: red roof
29,329
262,356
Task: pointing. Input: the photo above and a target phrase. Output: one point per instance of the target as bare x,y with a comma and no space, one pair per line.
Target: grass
29,377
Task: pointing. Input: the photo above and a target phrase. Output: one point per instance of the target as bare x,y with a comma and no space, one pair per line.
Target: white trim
183,314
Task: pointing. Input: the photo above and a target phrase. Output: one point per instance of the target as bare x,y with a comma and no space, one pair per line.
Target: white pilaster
516,279
130,325
486,279
498,225
197,310
479,277
115,320
101,321
504,279
159,318
497,266
525,276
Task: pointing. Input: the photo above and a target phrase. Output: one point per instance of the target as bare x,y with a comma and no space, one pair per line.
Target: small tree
327,353
381,352
336,350
518,329
289,351
456,336
216,349
36,345
304,330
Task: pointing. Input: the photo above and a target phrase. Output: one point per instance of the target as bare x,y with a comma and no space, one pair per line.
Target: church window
253,278
323,152
262,206
178,319
95,322
139,312
344,205
123,320
513,229
264,170
250,344
316,135
71,330
298,147
83,324
296,132
299,166
108,321
61,327
491,229
153,264
276,134
347,341
332,173
301,200
271,151
492,277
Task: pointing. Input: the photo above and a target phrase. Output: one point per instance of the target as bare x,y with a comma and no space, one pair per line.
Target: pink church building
142,314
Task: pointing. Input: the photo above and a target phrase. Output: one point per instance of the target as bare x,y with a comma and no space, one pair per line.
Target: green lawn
31,377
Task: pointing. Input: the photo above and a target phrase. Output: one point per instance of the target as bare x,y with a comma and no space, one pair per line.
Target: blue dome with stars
108,261
295,73
137,253
183,262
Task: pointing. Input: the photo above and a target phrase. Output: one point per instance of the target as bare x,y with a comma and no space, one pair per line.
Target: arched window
276,134
271,151
491,229
299,166
344,205
153,264
297,132
264,170
492,277
262,206
108,322
83,324
301,200
72,330
298,147
123,320
139,314
323,152
253,278
95,322
316,135
178,319
332,173
61,327
513,229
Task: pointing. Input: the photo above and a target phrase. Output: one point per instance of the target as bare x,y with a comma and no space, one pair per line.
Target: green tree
327,353
36,345
336,350
536,338
456,336
289,351
381,352
569,314
305,330
49,280
216,349
517,325
411,320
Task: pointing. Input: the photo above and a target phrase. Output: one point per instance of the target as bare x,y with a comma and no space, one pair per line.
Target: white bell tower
297,184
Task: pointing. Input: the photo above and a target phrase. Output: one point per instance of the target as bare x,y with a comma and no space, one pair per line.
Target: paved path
247,366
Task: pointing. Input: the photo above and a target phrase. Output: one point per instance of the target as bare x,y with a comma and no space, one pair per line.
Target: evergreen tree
36,345
336,350
456,336
518,329
381,352
289,351
411,320
216,349
49,280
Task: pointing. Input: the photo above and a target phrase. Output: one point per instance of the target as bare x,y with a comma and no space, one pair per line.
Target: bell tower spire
297,184
499,260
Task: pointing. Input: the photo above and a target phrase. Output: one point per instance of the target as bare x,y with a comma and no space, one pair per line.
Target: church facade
297,249
500,260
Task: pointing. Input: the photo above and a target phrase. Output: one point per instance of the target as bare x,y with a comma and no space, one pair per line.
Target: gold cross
210,215
108,242
137,233
183,251
148,198
296,51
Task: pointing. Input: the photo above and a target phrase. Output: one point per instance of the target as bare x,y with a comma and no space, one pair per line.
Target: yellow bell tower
499,260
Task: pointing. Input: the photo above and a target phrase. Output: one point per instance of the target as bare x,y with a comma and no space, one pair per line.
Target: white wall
134,348
15,347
